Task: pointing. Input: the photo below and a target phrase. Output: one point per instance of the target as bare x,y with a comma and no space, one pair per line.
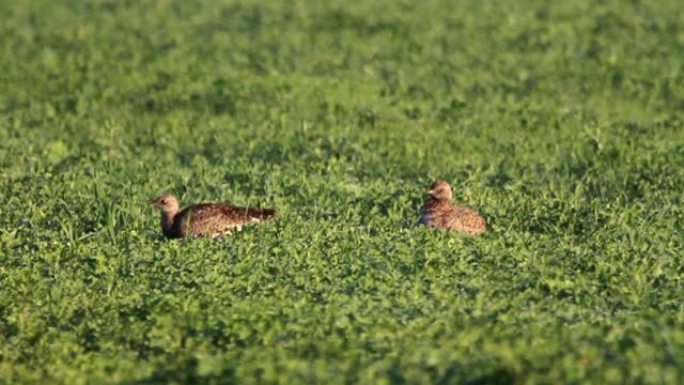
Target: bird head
441,190
167,203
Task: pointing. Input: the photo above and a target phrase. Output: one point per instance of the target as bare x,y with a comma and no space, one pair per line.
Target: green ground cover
561,122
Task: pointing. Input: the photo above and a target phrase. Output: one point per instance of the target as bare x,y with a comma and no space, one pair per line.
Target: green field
561,122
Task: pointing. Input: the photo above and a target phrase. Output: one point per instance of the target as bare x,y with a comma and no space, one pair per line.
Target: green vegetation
561,122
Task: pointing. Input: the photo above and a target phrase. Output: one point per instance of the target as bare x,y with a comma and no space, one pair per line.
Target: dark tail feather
261,213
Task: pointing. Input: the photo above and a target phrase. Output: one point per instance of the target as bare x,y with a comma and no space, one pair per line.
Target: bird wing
443,214
214,218
464,219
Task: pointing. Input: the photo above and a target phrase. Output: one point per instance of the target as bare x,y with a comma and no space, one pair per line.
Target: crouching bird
439,212
205,219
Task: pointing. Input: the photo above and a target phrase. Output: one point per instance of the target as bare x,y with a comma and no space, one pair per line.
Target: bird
205,219
440,212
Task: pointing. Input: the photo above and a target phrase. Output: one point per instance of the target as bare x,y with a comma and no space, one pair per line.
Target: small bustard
205,219
439,212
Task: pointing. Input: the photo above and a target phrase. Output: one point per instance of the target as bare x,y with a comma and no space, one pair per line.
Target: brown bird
205,219
439,212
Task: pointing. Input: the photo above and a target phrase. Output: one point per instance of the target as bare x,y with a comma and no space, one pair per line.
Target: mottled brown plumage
439,212
205,219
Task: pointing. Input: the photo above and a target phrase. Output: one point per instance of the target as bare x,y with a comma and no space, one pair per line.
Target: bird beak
153,201
431,191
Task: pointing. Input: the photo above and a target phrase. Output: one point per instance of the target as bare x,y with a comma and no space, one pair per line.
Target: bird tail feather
261,213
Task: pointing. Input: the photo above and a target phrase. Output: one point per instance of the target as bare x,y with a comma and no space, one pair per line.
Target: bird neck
167,220
440,199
